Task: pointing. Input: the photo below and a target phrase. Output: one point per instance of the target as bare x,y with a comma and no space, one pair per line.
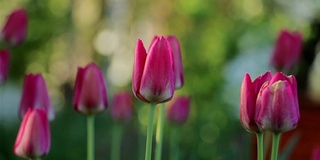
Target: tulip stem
174,143
159,134
260,145
275,145
90,137
150,132
116,142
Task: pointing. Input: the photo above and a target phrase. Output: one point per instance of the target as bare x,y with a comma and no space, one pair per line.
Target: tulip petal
178,68
4,64
261,80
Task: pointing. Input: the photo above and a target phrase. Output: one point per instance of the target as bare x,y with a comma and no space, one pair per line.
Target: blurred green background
221,40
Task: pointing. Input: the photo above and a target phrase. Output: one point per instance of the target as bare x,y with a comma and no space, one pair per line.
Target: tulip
316,154
33,140
178,68
4,64
153,79
14,30
178,111
35,95
90,94
122,107
287,50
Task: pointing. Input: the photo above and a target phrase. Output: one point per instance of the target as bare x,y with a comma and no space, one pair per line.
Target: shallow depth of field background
221,40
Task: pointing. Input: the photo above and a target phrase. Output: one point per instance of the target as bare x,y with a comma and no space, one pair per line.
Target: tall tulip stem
260,145
116,141
90,137
159,134
150,131
275,145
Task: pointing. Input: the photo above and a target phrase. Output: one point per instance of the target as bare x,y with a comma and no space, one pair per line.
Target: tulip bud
178,68
33,140
287,50
4,64
153,79
90,94
122,107
178,110
35,95
14,30
277,104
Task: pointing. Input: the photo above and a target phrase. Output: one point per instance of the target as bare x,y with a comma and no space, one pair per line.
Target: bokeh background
221,40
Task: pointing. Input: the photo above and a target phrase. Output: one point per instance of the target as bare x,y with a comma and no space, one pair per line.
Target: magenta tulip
14,30
287,50
35,95
178,68
277,104
153,79
178,110
122,107
33,140
316,154
248,98
4,64
90,94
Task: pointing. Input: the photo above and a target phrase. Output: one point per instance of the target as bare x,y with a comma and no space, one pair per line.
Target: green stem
275,145
260,145
150,132
174,143
90,137
159,134
116,142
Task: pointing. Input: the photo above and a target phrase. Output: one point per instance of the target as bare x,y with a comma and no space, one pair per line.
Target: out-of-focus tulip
287,50
248,98
178,67
35,95
122,106
316,154
33,140
14,30
90,93
178,110
4,64
277,104
153,79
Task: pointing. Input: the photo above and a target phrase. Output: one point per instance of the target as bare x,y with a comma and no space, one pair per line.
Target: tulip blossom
33,140
178,110
153,79
35,95
15,28
287,50
277,104
90,94
122,106
4,64
178,68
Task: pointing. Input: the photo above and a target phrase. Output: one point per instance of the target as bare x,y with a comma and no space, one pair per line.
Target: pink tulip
33,140
153,77
35,95
277,104
122,107
14,30
287,50
248,98
90,94
178,110
316,154
178,68
4,64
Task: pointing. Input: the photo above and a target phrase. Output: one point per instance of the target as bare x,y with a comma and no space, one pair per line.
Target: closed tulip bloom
4,64
248,98
33,140
15,28
287,50
178,110
153,79
122,106
35,95
178,67
277,104
90,94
